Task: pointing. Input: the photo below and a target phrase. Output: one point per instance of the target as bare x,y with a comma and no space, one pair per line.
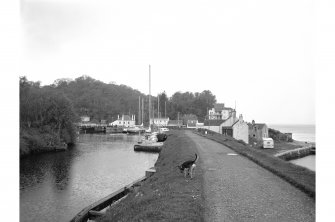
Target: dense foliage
276,135
48,113
46,118
105,101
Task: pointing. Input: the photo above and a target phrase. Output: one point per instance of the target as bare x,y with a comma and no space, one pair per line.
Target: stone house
258,131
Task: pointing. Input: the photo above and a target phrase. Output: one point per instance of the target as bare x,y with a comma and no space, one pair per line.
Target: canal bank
300,177
56,186
238,189
168,196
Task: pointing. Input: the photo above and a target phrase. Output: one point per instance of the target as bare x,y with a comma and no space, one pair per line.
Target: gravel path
237,189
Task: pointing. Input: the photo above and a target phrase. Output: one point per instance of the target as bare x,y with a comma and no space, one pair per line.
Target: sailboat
149,142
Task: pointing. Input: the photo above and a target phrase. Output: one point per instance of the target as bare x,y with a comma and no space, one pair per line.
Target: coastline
282,147
300,132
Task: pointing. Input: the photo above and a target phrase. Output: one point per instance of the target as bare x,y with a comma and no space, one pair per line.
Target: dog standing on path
188,167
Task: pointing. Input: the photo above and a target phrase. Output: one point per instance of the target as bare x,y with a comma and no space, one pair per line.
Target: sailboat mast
139,110
158,107
149,95
142,112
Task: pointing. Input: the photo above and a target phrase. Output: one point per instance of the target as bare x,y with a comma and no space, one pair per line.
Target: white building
219,112
240,129
85,118
124,121
236,128
159,121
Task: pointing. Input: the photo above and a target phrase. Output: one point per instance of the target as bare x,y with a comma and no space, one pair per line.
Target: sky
255,53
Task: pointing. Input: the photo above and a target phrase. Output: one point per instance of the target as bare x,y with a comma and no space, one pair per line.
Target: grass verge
167,195
300,177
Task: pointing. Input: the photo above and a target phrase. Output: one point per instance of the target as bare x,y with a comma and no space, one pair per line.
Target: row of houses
129,121
220,119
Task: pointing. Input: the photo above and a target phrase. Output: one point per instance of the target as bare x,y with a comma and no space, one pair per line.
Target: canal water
307,162
56,186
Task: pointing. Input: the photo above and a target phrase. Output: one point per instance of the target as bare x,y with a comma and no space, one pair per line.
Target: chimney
253,122
240,118
118,117
234,114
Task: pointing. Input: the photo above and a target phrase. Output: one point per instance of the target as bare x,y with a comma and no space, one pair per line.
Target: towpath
237,189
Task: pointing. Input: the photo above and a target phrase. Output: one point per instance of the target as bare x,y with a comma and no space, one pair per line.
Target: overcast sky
258,53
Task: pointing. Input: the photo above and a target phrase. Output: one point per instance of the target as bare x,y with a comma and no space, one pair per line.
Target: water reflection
60,170
56,186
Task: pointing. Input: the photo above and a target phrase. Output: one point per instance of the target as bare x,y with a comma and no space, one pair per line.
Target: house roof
218,107
125,117
227,108
235,123
160,118
258,125
175,122
227,127
213,122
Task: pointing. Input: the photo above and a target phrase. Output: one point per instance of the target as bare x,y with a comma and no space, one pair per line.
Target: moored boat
135,130
148,146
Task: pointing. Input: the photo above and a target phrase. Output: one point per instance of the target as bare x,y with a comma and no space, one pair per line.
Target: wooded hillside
48,113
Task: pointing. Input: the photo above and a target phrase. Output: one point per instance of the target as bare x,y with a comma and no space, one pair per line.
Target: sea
305,133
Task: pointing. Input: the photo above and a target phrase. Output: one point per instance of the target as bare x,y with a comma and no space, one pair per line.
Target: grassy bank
279,147
299,177
167,195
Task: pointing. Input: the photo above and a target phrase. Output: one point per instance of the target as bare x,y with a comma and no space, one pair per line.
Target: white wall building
236,128
124,121
219,112
159,121
85,118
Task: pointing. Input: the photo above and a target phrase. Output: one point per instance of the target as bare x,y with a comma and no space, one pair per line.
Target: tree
46,117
